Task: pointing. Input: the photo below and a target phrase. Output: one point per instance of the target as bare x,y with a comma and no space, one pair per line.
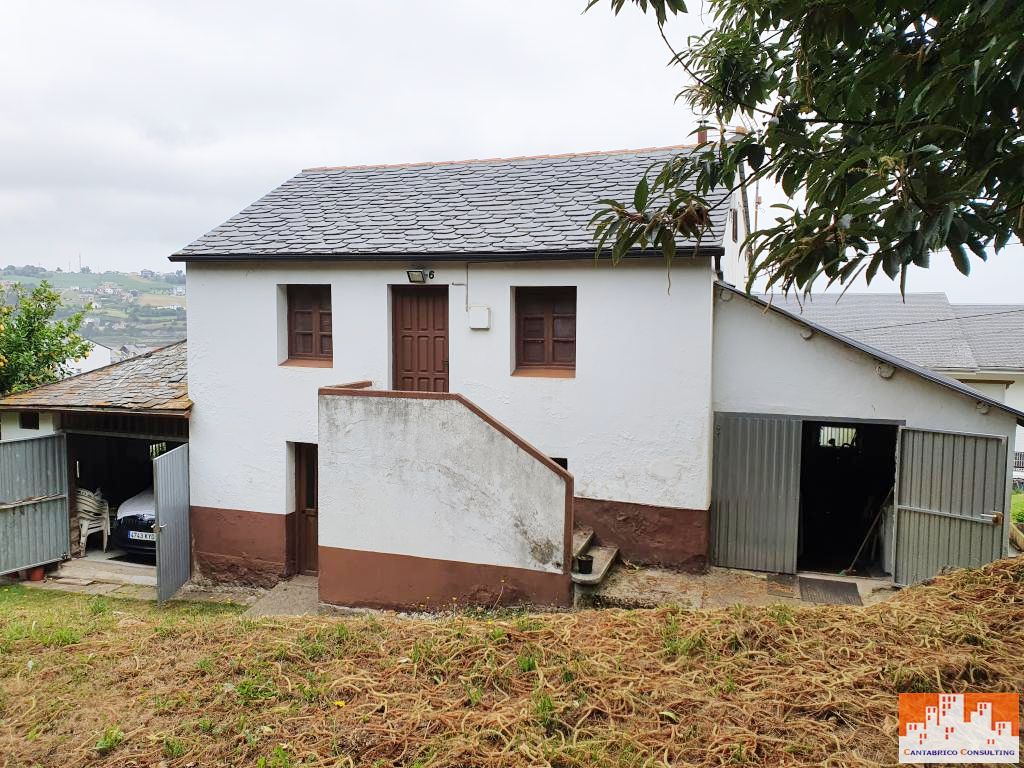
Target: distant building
98,357
128,351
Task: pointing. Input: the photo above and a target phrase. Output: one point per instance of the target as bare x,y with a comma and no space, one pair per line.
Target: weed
205,665
173,747
544,711
111,738
677,644
782,614
99,605
206,724
497,634
474,695
60,637
526,662
255,688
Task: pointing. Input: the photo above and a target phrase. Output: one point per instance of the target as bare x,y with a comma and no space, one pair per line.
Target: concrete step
108,571
604,558
582,536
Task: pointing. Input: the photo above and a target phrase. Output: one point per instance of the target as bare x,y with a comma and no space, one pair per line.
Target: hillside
92,681
144,308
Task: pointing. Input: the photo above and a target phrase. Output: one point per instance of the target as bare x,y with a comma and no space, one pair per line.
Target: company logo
959,728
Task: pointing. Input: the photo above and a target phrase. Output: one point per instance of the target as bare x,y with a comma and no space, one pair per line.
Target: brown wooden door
420,337
306,538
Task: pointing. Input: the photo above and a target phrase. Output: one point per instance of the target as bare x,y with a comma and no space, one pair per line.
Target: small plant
173,748
782,614
111,738
255,689
205,665
677,644
526,662
206,724
497,634
544,710
474,695
60,637
99,605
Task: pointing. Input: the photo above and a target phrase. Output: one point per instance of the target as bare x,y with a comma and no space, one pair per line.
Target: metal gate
33,503
950,503
755,495
173,542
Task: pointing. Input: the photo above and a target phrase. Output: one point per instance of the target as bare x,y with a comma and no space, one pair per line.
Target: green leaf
960,260
641,194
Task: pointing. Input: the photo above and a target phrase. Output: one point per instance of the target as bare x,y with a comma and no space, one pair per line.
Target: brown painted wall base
235,545
669,536
380,580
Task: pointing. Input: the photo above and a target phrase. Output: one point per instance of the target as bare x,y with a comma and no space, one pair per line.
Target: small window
309,322
28,419
546,329
563,463
837,437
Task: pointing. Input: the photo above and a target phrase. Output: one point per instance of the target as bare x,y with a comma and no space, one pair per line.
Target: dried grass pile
774,686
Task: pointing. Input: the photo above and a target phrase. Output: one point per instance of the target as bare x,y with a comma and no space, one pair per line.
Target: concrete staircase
604,557
87,569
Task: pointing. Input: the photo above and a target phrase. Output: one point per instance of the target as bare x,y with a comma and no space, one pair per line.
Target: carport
831,456
117,431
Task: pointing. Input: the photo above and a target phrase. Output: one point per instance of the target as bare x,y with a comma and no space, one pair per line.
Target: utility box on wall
479,317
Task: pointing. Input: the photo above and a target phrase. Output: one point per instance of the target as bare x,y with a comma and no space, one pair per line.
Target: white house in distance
97,357
416,381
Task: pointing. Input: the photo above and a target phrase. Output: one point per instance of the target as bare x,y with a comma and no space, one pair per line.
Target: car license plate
142,535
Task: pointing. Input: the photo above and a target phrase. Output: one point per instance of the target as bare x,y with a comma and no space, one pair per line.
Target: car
133,531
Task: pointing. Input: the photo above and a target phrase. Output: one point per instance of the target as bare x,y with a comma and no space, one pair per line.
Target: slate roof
532,207
155,382
926,329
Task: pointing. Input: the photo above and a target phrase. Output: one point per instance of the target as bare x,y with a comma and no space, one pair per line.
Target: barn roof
155,383
499,209
925,328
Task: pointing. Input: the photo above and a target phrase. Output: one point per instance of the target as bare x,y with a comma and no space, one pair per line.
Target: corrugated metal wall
33,533
949,487
173,542
755,497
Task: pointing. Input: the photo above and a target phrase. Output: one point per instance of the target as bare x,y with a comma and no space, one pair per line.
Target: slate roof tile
926,329
156,382
496,207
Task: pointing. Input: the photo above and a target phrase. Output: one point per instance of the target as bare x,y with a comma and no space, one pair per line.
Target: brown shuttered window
546,328
309,322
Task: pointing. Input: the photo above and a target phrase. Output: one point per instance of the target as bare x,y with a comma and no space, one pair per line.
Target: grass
1017,508
105,682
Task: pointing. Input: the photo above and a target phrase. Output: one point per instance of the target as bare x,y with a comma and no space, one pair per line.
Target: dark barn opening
847,472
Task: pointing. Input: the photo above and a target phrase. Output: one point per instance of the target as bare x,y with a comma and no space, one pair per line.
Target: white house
416,380
97,357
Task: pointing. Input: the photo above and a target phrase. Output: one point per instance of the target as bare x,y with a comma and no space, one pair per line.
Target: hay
765,686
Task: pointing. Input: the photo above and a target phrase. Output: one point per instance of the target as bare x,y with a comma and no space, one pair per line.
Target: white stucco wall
634,423
430,478
10,428
762,364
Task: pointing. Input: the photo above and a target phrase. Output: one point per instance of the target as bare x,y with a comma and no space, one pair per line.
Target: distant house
98,357
128,351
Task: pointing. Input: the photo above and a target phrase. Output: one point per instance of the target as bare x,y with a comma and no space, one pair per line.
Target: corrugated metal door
951,502
33,502
755,496
173,542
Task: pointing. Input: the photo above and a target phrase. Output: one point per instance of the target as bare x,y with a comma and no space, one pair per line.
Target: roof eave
182,413
885,357
568,254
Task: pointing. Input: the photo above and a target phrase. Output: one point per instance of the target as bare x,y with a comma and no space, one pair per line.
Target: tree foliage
35,348
899,126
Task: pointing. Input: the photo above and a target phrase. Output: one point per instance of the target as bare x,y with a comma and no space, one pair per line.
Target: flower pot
37,574
584,564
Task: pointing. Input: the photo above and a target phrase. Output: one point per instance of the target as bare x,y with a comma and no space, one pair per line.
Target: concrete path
298,596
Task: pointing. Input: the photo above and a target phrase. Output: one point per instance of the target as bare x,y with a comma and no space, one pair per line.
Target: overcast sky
130,128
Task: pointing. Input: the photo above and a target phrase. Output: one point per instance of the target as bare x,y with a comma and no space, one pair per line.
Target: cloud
130,127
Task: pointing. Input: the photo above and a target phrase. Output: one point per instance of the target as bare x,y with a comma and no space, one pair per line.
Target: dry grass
92,682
